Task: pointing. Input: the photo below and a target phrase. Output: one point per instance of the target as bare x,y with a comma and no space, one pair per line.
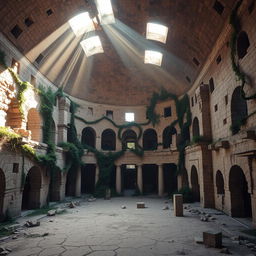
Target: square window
218,7
129,117
92,46
211,85
130,166
153,57
109,114
90,111
192,101
216,108
39,58
167,111
225,121
15,167
28,22
130,145
157,32
49,12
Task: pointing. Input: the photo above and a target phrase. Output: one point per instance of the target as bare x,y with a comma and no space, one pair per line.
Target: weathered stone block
140,205
212,239
178,205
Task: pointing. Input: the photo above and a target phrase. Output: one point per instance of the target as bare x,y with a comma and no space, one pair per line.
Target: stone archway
2,193
195,128
195,184
240,198
150,139
32,188
220,183
89,137
108,140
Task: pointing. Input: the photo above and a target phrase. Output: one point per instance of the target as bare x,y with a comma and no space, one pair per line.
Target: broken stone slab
123,207
92,199
140,205
199,240
250,245
178,205
4,253
59,210
51,213
71,205
212,239
32,223
166,207
225,251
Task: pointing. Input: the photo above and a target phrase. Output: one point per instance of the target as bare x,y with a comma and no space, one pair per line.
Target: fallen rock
71,205
92,199
14,237
225,251
51,213
32,223
77,203
205,219
199,240
59,211
4,252
123,207
166,207
212,218
250,245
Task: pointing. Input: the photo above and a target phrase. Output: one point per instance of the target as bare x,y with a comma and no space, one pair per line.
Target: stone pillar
140,178
178,205
97,173
160,180
78,182
62,133
118,180
64,119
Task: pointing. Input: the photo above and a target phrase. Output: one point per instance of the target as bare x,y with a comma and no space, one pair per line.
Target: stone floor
103,228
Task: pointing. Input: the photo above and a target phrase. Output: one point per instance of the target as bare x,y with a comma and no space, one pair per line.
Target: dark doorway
240,198
167,136
150,139
32,188
88,178
129,179
71,182
108,140
195,184
170,178
195,128
150,178
88,137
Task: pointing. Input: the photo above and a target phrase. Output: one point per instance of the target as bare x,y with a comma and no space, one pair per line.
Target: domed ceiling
40,30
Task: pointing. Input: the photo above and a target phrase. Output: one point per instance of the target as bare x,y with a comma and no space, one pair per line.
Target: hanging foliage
241,75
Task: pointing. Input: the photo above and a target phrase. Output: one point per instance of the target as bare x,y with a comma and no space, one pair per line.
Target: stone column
97,173
140,178
118,180
160,180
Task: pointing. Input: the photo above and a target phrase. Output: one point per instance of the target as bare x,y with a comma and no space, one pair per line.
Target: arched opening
195,184
195,128
108,140
243,44
184,179
89,137
129,139
167,136
150,178
55,186
238,110
240,198
34,124
2,192
129,179
220,183
88,172
150,139
32,188
170,178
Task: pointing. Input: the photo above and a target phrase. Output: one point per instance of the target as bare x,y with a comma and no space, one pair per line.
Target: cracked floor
103,228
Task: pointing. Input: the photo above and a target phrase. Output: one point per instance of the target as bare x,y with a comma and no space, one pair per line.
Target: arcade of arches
217,157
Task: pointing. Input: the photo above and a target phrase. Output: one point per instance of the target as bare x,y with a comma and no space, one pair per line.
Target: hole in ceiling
28,22
16,31
49,12
218,7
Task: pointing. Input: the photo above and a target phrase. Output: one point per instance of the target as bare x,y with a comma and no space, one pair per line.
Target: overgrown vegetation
240,74
187,195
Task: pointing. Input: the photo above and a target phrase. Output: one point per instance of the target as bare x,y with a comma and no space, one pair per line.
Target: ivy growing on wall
240,74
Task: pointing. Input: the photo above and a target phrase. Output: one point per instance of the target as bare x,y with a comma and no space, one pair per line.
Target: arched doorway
32,188
89,137
195,128
240,198
88,172
167,136
238,110
129,139
150,139
195,184
71,182
34,124
108,140
2,192
220,183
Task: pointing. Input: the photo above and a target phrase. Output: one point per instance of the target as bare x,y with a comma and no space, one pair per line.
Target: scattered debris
32,223
199,240
71,205
91,199
250,245
123,207
51,213
166,207
59,211
180,252
37,235
4,251
225,251
205,219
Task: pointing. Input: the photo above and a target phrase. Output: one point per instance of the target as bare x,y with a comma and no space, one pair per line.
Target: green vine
241,75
